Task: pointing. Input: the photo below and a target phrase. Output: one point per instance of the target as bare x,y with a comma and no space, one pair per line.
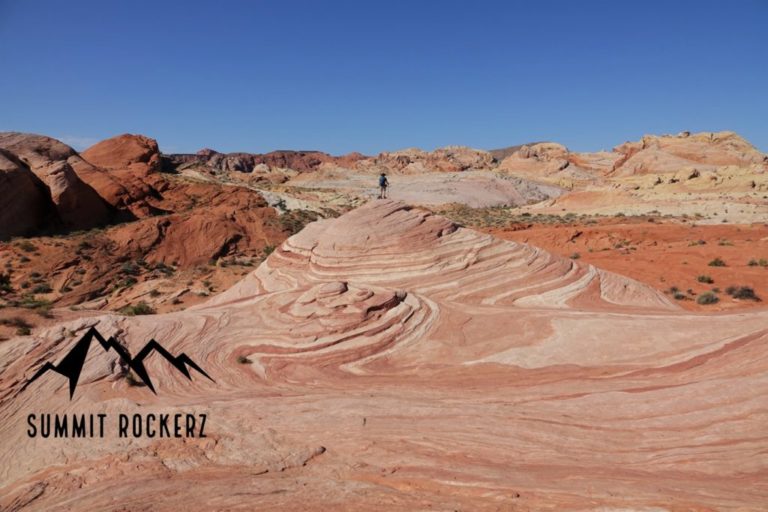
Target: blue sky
340,76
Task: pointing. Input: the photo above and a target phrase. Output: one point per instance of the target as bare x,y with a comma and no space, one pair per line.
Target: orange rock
135,153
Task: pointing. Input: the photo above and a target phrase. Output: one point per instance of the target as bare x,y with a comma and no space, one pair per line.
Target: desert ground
527,328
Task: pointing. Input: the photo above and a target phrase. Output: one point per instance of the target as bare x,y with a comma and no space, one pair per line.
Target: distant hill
502,153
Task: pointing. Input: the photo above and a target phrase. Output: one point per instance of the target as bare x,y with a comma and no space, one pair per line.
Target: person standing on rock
383,185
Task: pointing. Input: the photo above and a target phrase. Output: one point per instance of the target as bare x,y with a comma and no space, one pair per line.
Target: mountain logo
72,364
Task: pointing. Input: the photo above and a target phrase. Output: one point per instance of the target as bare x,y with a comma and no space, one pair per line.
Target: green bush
717,262
42,288
707,298
705,279
142,308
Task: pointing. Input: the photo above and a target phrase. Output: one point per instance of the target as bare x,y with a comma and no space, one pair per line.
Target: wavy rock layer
389,359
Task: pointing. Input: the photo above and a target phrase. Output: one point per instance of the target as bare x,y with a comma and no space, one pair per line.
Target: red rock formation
302,161
447,159
229,220
28,207
133,153
77,204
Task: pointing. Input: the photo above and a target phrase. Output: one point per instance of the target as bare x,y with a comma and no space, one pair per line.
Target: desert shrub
42,288
5,282
27,246
294,221
742,292
154,293
142,308
164,269
707,298
44,310
130,268
705,279
15,321
679,296
717,262
243,360
24,259
23,328
29,301
762,262
126,283
133,380
575,256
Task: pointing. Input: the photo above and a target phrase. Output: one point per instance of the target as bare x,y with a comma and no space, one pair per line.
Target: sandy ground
664,255
473,188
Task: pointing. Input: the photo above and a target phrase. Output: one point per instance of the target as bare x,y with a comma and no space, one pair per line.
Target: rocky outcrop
229,221
389,359
447,159
25,205
553,163
136,154
704,151
544,158
301,161
77,204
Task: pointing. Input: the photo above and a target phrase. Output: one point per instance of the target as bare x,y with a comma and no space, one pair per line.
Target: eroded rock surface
389,359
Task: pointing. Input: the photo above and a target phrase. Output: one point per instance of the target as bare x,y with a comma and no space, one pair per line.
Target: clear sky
369,76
